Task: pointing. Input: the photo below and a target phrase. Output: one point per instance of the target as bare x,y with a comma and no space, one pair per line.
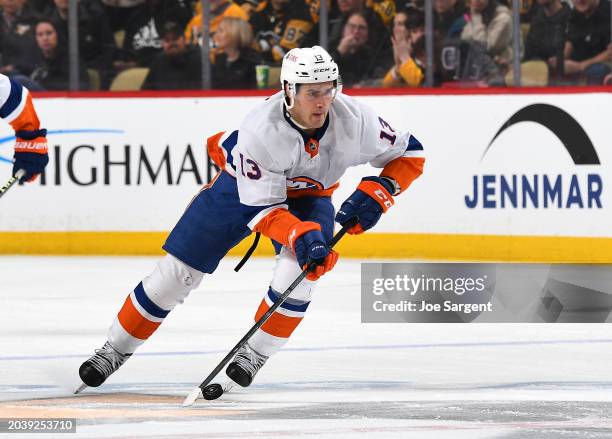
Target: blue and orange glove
371,199
31,153
309,245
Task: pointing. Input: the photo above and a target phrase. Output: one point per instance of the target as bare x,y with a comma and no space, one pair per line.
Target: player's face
312,104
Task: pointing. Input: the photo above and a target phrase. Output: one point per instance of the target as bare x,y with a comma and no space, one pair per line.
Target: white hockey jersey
273,160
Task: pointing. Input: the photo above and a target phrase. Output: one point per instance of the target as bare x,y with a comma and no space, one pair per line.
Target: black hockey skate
98,368
245,365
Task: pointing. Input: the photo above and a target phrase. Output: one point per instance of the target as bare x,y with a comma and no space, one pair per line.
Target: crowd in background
374,42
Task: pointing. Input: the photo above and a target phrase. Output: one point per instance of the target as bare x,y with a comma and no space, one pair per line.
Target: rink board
372,245
508,176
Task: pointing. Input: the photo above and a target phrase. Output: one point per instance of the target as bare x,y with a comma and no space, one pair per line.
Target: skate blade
80,389
229,385
192,397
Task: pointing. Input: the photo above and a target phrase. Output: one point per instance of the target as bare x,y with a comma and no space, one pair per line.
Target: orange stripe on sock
134,322
277,325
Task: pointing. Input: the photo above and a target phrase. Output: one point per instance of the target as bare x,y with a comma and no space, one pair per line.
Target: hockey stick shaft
268,313
4,189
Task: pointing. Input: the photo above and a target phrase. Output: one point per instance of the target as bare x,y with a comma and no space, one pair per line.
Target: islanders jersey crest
312,148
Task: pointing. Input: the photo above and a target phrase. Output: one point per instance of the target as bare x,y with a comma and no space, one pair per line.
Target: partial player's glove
309,245
30,153
371,199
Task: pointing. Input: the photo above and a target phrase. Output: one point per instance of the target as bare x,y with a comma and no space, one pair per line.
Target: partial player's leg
275,333
211,225
142,313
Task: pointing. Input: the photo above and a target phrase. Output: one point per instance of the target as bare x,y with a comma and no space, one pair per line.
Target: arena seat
130,79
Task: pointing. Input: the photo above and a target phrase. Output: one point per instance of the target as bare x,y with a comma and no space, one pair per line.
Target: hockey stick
198,391
4,189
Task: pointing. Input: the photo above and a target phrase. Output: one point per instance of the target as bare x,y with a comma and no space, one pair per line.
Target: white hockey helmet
307,65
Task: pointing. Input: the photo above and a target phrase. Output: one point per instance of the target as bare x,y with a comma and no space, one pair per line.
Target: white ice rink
336,378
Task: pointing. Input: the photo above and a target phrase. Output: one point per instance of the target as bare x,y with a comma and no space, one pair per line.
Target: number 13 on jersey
252,169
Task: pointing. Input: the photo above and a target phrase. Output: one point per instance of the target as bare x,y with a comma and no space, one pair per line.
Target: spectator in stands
587,48
53,72
353,53
608,79
408,51
142,37
279,26
179,66
218,10
490,24
314,6
234,62
249,6
448,18
345,9
120,11
17,44
385,9
39,7
96,40
547,31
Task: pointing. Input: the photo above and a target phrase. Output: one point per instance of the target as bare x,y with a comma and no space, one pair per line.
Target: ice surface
336,378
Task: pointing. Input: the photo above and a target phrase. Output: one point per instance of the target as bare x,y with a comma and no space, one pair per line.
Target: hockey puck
212,391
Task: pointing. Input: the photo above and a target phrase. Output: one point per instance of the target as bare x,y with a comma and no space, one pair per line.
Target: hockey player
17,109
278,172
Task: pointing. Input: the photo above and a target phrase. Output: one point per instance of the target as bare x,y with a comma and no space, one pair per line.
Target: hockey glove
30,153
309,245
371,199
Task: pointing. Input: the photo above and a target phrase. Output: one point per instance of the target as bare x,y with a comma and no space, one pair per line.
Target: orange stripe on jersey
27,119
404,170
277,225
214,150
135,323
277,325
297,193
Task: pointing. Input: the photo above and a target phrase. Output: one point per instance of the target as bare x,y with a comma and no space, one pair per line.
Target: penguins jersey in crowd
277,32
273,160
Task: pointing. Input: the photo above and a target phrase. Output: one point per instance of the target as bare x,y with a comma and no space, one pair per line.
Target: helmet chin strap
289,102
289,94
